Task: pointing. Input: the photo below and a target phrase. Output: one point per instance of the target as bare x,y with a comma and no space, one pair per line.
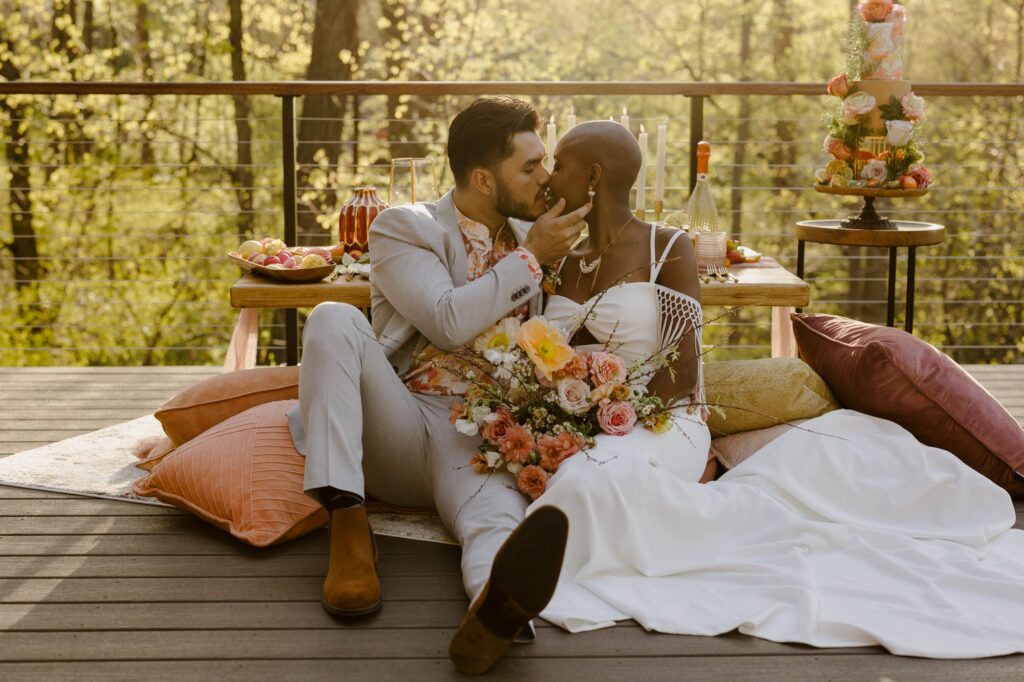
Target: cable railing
129,215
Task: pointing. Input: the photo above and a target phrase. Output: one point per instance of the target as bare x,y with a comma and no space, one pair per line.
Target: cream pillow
744,395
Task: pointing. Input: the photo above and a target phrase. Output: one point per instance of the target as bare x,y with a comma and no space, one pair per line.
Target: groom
373,406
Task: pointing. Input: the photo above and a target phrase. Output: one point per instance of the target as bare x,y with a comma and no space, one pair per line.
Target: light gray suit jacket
418,288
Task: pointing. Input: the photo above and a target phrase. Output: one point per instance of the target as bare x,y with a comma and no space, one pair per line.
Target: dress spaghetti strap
656,269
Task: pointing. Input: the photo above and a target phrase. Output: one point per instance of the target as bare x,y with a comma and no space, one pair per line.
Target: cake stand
868,219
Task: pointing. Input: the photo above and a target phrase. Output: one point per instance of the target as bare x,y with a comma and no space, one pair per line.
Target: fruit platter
272,258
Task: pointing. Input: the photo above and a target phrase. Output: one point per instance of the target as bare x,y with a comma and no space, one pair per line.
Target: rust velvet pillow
213,400
888,373
243,475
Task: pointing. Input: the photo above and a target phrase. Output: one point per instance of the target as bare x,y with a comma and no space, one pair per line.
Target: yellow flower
501,336
544,345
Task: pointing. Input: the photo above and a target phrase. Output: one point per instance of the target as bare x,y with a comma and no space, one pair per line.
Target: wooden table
762,284
904,233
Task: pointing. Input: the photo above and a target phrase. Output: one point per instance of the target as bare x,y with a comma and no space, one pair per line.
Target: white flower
466,427
898,133
500,337
857,104
491,417
913,106
514,468
493,356
480,413
573,395
492,458
873,170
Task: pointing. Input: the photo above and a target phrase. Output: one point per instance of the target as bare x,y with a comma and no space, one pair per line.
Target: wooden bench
761,284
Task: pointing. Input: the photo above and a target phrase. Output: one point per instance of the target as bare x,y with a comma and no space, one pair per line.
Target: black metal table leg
890,312
908,323
800,263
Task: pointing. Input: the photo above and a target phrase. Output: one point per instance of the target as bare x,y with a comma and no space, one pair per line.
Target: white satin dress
847,532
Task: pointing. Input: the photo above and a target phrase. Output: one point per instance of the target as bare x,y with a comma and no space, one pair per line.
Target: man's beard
513,208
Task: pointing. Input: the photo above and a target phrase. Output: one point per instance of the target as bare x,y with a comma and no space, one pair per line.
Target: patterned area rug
101,464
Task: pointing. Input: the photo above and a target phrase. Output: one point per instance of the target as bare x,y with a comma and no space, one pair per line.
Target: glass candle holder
710,249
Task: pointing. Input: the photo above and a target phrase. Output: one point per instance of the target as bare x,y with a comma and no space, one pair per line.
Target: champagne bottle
701,207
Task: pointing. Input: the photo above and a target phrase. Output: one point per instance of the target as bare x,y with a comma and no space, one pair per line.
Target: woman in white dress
846,532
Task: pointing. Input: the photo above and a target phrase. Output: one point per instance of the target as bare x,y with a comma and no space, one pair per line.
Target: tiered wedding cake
872,131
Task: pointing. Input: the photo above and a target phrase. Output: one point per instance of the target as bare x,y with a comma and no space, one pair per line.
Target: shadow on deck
96,589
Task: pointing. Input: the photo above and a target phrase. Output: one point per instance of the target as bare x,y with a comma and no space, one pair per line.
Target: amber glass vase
357,214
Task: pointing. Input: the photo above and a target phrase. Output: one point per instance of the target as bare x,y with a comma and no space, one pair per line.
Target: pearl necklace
587,268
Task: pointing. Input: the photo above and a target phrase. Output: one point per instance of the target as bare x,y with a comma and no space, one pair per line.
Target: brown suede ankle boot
523,579
352,587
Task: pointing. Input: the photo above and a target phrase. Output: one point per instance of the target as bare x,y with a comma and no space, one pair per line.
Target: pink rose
839,86
898,16
517,445
913,106
553,449
838,149
573,395
577,368
616,417
607,368
495,430
921,176
532,481
875,10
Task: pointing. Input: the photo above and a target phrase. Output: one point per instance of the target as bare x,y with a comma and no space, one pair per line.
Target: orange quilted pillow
213,400
243,475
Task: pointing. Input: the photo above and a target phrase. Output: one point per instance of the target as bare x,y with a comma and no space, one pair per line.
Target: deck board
104,590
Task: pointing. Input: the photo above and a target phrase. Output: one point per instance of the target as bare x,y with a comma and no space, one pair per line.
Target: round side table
902,233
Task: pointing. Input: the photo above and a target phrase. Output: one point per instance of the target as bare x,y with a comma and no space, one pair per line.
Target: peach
248,248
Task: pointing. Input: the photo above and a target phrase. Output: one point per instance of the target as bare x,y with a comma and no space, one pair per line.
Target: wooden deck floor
96,589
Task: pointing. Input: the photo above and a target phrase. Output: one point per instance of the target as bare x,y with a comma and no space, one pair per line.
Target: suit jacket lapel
448,219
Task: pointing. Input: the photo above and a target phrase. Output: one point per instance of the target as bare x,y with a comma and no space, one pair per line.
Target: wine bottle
701,207
709,243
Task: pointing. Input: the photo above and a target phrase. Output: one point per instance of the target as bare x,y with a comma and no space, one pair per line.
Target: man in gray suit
373,412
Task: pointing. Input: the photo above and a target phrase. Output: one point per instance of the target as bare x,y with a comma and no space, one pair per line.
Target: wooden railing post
696,133
291,315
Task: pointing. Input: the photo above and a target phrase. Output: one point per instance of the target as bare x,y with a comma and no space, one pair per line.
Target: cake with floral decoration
874,131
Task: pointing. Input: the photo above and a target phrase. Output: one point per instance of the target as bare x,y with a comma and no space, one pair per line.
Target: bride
845,532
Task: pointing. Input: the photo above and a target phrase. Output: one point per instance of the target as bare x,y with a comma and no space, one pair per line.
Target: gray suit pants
362,431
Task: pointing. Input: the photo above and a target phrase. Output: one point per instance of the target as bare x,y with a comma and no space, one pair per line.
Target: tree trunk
24,245
142,33
322,120
89,26
743,130
242,175
401,135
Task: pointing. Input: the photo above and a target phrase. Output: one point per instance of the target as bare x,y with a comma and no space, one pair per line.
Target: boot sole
349,613
535,549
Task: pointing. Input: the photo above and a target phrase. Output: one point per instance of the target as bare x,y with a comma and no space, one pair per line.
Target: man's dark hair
481,135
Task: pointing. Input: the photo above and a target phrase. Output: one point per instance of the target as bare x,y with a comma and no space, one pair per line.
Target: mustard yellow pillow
744,395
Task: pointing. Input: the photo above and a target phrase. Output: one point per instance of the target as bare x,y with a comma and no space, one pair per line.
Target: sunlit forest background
117,210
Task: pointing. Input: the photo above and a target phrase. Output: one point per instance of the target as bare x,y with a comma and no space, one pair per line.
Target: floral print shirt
428,374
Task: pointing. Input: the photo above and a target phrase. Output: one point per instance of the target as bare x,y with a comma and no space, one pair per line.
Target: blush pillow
888,373
243,475
731,450
213,400
745,395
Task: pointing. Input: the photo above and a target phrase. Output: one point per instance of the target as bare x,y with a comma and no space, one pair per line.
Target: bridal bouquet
537,401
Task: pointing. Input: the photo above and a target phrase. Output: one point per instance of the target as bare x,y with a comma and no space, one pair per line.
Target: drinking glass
412,180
